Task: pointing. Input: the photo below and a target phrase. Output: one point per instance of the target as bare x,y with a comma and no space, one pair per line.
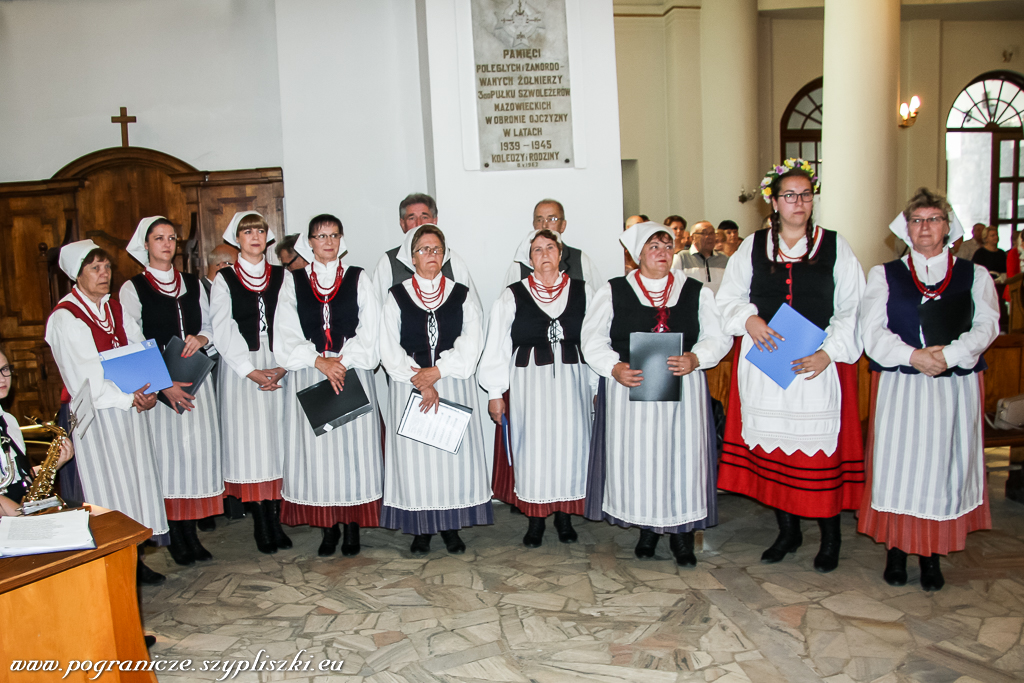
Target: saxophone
40,495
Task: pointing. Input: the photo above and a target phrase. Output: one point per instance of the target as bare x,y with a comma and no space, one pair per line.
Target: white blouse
291,348
712,342
132,307
458,362
382,277
888,350
230,343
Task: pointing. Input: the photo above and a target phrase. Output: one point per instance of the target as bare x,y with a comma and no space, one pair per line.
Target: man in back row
550,215
701,261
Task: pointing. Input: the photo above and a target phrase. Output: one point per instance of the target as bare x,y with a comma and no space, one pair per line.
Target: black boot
280,539
563,525
452,542
179,550
350,544
513,510
192,541
420,544
931,575
682,547
207,524
144,575
827,558
261,528
330,542
535,533
789,538
647,543
895,573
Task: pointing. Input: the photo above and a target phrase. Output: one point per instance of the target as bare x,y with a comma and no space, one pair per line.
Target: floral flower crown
786,166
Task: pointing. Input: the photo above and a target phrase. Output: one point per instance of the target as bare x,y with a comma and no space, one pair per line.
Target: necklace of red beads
106,323
545,294
256,283
932,293
172,290
430,301
659,301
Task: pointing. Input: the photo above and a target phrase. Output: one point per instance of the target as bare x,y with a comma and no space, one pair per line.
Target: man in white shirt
967,249
549,214
702,262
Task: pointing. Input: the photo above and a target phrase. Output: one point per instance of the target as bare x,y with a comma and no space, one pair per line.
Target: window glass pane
969,175
1005,201
1005,236
792,149
807,151
1020,201
1006,154
1020,164
796,119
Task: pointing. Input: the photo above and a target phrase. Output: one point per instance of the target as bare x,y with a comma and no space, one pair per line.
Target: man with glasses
701,261
550,215
290,258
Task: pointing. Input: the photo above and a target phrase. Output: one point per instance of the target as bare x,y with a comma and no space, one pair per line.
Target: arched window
800,134
984,154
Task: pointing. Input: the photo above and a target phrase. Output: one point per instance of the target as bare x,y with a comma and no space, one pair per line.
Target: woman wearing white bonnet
115,461
164,303
243,304
926,319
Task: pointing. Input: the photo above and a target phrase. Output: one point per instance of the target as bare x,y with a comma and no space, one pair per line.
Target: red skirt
180,509
813,485
910,534
365,515
254,492
503,483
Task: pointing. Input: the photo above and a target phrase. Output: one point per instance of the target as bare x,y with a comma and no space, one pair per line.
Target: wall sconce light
908,113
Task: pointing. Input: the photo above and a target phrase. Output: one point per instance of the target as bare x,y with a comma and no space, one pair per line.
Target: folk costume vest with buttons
344,309
571,263
955,306
414,337
531,327
160,312
102,340
807,286
245,305
400,272
629,314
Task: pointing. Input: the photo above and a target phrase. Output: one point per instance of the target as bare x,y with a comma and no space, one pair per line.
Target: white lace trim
319,504
460,506
934,518
659,522
180,496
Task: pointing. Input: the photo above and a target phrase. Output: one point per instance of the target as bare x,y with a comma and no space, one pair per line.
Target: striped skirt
252,430
117,468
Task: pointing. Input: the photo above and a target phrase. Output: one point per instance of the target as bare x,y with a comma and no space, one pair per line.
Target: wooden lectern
79,605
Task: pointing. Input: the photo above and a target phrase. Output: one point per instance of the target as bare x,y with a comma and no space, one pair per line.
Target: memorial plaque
521,55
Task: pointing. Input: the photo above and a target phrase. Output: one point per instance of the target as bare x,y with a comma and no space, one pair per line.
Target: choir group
554,359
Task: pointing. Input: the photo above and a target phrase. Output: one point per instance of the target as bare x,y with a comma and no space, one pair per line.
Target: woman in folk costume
164,303
243,304
117,468
327,327
430,341
797,450
926,319
532,355
652,463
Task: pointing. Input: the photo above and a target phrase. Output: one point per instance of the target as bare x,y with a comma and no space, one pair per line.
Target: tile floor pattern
593,612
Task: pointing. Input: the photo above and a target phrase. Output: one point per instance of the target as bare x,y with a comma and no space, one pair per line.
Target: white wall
200,75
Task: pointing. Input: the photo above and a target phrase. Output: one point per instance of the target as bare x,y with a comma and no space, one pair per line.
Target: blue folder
802,339
136,365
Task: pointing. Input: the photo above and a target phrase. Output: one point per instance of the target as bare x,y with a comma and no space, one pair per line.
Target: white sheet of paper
82,409
444,429
48,533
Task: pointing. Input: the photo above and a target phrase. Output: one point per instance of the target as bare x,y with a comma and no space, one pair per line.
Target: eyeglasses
546,219
930,220
6,371
709,233
791,197
327,237
430,251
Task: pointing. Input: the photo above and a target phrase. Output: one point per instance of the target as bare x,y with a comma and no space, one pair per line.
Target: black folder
327,410
649,351
194,369
944,320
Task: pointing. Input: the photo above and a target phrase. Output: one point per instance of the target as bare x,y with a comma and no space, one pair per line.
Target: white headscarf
636,237
137,244
523,250
304,249
899,228
405,251
72,256
231,232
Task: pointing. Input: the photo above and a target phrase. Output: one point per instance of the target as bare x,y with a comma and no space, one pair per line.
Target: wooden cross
124,120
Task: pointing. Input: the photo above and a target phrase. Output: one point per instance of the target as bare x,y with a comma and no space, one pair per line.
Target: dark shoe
789,538
452,542
330,542
261,529
146,576
931,575
420,544
647,543
192,541
535,534
150,641
563,525
350,544
895,573
280,539
827,558
179,550
207,524
682,547
234,508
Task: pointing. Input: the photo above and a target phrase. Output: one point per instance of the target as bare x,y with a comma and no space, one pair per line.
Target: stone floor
591,611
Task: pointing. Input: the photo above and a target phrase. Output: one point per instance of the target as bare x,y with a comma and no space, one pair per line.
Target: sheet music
48,533
444,429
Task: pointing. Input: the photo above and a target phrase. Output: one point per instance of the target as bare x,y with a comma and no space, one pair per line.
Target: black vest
955,308
806,286
19,486
531,324
630,315
400,272
245,305
571,262
344,309
160,312
413,324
